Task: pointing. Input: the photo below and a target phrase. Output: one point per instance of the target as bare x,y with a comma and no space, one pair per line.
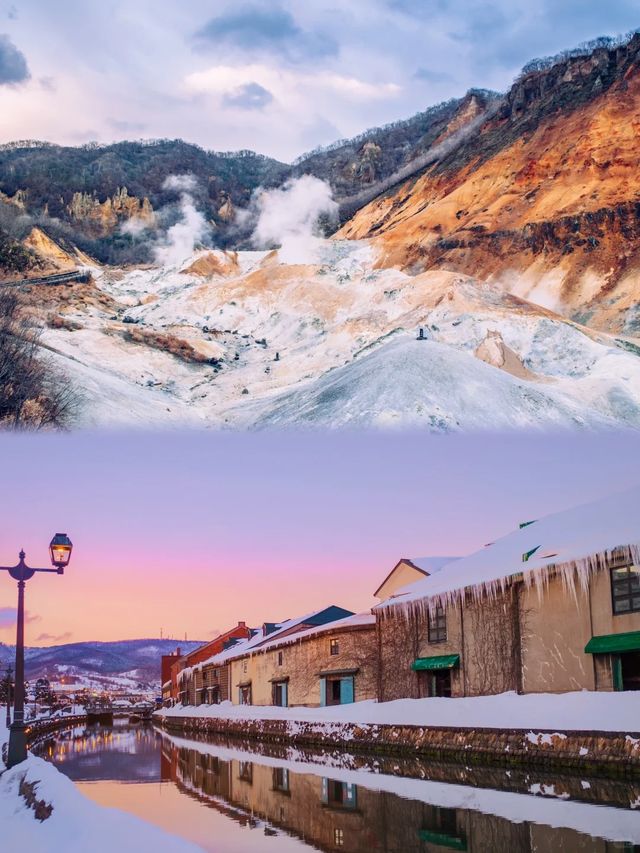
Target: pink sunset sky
190,533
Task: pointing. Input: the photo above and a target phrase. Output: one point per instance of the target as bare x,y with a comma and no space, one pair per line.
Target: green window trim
435,663
441,838
614,643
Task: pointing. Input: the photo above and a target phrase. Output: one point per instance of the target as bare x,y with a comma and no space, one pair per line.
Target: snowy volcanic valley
318,334
486,273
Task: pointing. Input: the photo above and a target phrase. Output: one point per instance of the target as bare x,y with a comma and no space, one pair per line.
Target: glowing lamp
60,549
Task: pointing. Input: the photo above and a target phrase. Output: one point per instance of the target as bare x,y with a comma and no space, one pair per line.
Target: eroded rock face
227,211
18,199
51,253
543,199
104,217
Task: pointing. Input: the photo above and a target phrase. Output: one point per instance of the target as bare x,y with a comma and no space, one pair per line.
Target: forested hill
86,193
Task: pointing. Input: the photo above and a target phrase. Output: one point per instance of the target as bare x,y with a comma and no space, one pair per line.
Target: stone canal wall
37,729
607,753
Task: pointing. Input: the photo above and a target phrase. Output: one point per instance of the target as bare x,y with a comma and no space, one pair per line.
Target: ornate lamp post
60,549
8,680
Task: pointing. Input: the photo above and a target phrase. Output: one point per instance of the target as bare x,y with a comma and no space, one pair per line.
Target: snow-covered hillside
122,663
241,339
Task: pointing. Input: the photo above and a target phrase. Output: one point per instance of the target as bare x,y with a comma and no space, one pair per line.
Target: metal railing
57,278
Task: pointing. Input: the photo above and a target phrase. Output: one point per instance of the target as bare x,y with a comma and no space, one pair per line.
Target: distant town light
60,549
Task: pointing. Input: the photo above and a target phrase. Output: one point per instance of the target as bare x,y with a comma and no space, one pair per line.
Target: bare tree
398,635
33,394
493,645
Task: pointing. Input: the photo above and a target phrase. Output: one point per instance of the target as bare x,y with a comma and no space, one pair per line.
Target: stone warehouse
324,658
552,607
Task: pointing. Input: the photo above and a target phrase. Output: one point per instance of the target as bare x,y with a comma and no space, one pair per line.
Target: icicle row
573,574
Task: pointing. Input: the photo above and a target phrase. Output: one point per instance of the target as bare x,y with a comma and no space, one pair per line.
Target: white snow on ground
344,332
578,711
409,383
570,539
76,824
600,821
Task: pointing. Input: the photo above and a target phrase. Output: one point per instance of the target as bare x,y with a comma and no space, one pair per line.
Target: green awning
441,838
614,643
438,662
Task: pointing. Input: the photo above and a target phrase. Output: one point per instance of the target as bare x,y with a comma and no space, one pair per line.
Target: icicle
573,574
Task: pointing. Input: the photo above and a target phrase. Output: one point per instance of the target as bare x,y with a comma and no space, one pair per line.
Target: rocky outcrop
18,199
494,351
103,217
226,211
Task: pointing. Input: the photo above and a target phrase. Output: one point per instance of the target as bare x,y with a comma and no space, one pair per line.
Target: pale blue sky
275,75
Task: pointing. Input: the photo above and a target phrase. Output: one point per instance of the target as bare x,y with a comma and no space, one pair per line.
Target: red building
172,664
167,664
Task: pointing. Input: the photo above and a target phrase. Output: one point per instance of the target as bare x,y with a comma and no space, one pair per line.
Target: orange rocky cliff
543,198
104,217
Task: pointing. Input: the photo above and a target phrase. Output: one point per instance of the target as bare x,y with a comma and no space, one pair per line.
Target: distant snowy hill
137,659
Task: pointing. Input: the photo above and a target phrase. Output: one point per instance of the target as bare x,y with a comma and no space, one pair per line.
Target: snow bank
574,543
76,824
579,711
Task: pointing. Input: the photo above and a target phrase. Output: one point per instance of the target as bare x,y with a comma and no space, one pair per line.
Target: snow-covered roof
259,638
358,620
430,565
574,542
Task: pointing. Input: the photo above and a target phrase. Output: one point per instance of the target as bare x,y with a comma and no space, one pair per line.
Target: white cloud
321,65
286,85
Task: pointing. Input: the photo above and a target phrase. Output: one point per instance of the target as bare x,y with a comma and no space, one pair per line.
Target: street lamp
60,549
8,680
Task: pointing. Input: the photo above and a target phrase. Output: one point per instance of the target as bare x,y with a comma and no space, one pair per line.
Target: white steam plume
288,217
136,226
180,240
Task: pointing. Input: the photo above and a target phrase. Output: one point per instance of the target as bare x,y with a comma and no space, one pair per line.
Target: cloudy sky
185,534
277,76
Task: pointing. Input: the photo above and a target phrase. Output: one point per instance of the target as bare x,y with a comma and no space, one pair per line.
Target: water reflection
296,805
122,753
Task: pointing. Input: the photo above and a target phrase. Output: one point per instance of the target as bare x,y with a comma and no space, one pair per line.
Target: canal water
235,797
